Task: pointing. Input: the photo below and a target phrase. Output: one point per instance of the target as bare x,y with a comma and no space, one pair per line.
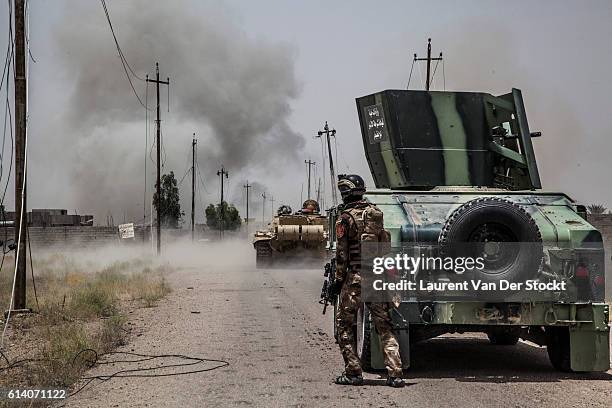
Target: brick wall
82,237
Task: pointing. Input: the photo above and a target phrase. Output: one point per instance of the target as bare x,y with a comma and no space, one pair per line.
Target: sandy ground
268,325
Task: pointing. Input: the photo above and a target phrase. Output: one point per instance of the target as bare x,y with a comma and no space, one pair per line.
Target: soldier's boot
348,379
395,382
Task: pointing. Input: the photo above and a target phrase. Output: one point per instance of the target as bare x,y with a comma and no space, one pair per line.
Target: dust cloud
177,254
234,91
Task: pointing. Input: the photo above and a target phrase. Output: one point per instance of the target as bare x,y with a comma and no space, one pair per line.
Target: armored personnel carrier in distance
297,239
459,167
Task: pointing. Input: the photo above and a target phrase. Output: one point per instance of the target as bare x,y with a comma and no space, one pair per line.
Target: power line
443,77
27,36
124,62
184,175
410,76
433,75
9,49
7,115
187,164
117,42
10,118
163,147
201,179
7,61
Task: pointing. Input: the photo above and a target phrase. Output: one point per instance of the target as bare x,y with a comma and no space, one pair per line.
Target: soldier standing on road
359,221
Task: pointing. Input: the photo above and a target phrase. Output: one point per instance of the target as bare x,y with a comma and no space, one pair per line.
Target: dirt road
268,326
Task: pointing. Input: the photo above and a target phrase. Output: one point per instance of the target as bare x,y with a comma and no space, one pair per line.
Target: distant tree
231,217
171,214
596,209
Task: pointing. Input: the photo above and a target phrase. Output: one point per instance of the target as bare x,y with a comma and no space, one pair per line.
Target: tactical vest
368,220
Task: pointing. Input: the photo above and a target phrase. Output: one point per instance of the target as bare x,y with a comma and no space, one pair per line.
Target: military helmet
351,185
310,207
284,210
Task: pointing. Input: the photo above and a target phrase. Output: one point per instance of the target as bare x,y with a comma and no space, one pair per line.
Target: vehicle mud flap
377,358
402,333
403,338
590,344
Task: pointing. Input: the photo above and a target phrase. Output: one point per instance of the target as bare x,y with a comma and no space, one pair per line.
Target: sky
256,80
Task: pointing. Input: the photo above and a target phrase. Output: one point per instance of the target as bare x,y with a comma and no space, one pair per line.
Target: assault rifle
327,291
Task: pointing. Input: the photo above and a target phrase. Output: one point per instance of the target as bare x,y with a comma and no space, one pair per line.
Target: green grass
80,306
94,300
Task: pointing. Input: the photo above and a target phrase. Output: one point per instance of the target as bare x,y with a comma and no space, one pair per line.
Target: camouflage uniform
360,221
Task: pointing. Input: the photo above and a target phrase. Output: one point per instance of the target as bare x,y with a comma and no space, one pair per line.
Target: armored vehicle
459,167
298,238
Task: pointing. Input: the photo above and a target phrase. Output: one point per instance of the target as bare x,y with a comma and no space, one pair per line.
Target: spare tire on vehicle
500,231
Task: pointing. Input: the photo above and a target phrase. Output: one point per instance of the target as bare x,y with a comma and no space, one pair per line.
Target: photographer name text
469,285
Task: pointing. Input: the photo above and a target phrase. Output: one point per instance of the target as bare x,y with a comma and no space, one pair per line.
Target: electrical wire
433,75
201,201
201,179
144,372
336,151
410,76
7,116
420,74
443,76
10,117
7,111
153,142
184,175
27,33
128,373
27,124
163,148
124,62
10,47
32,267
187,165
121,55
3,144
9,51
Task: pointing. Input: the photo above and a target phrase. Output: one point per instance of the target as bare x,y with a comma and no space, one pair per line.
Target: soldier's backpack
375,239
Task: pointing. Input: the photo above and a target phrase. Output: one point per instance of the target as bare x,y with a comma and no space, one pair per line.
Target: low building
48,217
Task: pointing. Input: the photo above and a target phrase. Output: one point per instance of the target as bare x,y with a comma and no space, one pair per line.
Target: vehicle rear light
581,272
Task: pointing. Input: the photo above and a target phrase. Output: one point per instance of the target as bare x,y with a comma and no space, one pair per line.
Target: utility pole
428,59
263,210
157,82
272,204
319,192
247,186
221,173
21,220
193,185
327,132
310,164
